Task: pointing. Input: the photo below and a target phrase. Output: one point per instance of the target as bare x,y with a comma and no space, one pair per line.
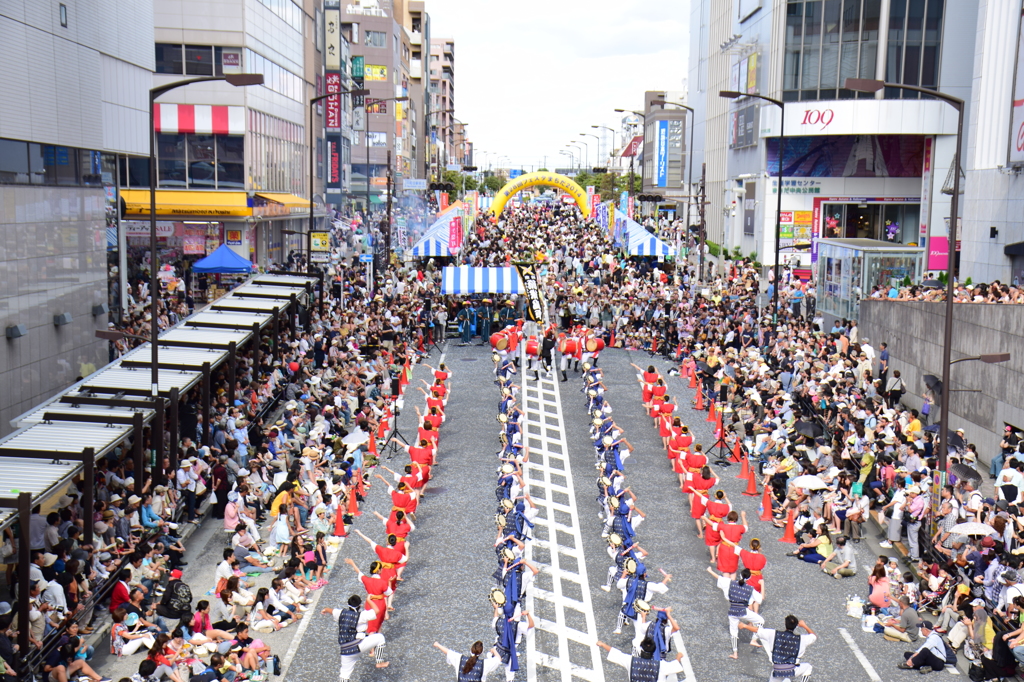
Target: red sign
822,117
634,146
334,102
785,216
455,234
443,201
333,163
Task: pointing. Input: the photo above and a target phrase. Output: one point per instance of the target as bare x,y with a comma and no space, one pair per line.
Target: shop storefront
853,169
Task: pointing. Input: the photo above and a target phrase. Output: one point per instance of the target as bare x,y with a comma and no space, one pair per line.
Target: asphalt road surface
444,595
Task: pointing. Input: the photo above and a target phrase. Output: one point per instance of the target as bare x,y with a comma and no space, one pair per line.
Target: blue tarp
224,261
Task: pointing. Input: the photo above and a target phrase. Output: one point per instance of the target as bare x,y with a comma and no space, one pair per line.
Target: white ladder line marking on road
859,655
562,662
286,661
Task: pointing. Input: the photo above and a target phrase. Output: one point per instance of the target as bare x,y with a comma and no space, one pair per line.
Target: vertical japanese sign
443,201
661,154
534,299
455,234
631,205
926,186
332,105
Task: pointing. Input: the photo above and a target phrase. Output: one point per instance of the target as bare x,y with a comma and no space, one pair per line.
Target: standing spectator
187,482
883,363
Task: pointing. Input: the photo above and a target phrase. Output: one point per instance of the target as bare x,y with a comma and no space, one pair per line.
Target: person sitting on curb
842,562
930,656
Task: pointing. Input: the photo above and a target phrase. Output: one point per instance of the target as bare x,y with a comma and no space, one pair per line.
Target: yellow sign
320,241
562,182
375,73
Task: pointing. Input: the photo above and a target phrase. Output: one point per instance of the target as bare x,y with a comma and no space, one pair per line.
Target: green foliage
543,170
471,183
493,183
968,282
737,254
713,248
752,256
943,278
906,281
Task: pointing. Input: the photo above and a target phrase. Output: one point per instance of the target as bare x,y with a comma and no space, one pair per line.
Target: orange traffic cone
711,412
700,401
751,490
789,536
693,379
745,469
353,505
339,525
766,504
718,417
736,451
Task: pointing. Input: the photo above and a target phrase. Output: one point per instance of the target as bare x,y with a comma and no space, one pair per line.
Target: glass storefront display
850,269
891,223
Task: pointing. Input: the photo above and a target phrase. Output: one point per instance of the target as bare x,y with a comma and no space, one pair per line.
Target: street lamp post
586,152
689,180
237,79
579,156
644,136
596,137
572,159
870,85
613,138
366,134
731,94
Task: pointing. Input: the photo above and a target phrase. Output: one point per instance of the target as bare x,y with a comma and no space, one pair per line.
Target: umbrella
965,472
357,437
809,482
931,284
933,383
809,429
953,439
704,367
972,528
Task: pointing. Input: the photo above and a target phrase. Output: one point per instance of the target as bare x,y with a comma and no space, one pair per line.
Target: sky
530,75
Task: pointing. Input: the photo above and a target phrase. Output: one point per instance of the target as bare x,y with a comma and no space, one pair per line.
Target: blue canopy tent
224,261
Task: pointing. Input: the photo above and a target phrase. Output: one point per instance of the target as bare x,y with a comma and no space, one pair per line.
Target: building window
168,59
828,41
375,38
287,10
198,60
195,161
915,32
275,77
30,163
63,15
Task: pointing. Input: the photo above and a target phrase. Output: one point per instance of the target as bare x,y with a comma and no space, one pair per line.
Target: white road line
861,658
311,612
541,400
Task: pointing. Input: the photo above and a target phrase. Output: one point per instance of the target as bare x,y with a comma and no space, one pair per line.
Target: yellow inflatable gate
562,182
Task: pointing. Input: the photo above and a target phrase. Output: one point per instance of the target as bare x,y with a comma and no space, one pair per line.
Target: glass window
61,164
202,157
168,59
171,166
36,164
13,162
375,39
90,167
198,60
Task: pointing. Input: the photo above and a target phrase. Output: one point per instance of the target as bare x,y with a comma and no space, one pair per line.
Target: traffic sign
366,258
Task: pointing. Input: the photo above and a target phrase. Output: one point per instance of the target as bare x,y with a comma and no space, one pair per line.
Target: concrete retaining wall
914,331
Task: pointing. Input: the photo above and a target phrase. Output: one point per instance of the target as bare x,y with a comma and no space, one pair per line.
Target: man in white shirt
931,654
187,480
644,662
786,648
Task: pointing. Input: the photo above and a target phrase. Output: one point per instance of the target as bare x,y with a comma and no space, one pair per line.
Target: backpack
950,653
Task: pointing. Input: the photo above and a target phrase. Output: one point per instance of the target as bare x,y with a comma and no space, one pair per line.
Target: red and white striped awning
205,119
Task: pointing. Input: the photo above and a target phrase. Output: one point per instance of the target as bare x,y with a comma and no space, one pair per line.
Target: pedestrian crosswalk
561,647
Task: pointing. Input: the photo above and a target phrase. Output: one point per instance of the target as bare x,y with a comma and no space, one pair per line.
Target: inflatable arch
562,182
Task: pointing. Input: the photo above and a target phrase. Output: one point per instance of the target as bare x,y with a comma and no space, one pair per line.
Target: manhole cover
468,359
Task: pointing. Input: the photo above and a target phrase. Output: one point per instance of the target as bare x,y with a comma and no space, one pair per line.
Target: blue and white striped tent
641,242
470,280
431,245
650,245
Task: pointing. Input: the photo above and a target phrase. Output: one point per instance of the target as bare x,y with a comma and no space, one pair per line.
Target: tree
454,177
493,183
624,181
471,183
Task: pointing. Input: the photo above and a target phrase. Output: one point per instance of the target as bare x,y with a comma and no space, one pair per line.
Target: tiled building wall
52,261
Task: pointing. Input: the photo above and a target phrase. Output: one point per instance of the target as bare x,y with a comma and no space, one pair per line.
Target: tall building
75,88
854,165
416,22
442,100
993,231
242,150
381,60
666,146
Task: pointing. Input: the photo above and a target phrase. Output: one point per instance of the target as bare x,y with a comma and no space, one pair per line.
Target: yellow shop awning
269,204
186,203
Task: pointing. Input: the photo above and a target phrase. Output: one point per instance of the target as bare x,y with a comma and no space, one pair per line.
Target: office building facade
74,87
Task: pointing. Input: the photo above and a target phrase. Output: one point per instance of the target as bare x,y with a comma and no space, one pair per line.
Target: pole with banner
536,311
455,234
